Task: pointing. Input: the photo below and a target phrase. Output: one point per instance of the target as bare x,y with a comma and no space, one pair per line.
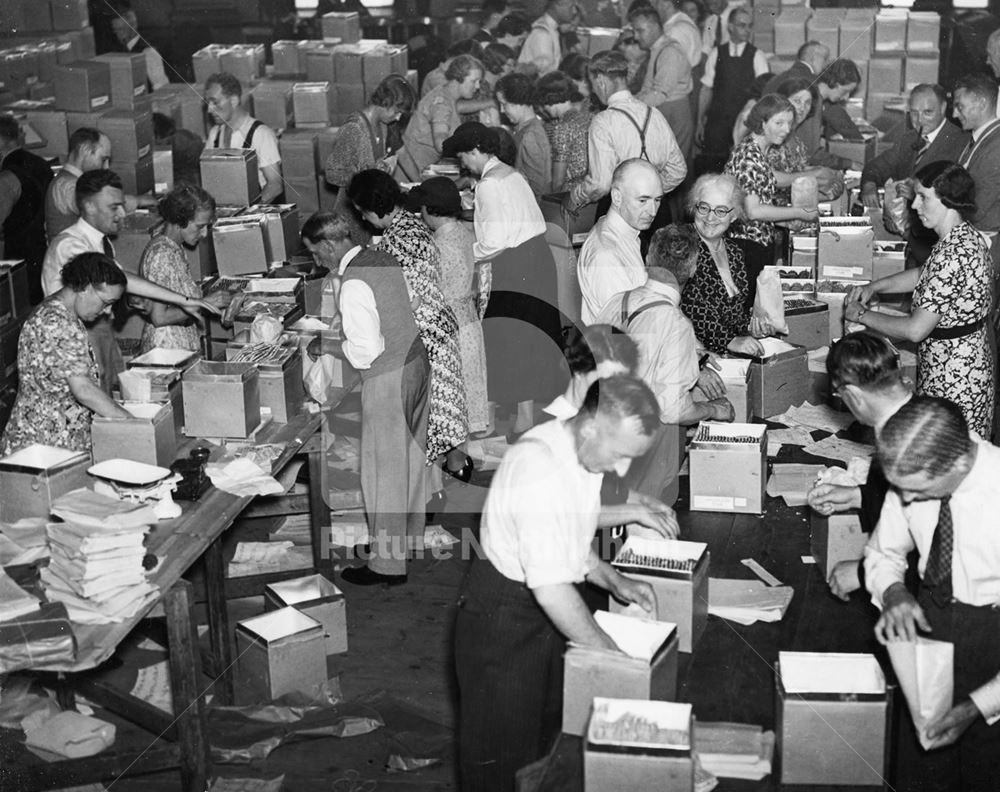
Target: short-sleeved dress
164,263
410,241
790,157
418,140
458,268
756,177
956,284
717,317
534,155
569,144
53,347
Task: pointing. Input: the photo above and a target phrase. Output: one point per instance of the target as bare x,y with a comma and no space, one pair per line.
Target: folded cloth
67,734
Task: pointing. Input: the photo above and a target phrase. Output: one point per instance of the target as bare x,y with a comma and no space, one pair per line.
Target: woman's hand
807,215
760,328
853,311
195,306
862,294
745,345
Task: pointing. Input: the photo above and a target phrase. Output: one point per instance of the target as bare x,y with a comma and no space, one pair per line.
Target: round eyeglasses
702,209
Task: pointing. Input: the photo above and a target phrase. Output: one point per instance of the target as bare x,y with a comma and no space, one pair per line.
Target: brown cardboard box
281,229
923,32
858,152
130,133
280,652
857,41
69,14
83,86
272,103
313,103
128,76
380,61
612,765
164,387
824,26
778,382
888,261
321,63
833,715
137,175
845,248
325,194
243,61
133,237
221,399
890,30
681,597
790,30
184,104
808,326
239,246
305,194
51,125
590,672
885,72
76,120
201,260
728,476
30,479
920,69
231,174
318,598
298,156
206,62
344,27
347,60
16,275
832,295
147,437
281,388
597,39
46,59
836,538
350,99
286,58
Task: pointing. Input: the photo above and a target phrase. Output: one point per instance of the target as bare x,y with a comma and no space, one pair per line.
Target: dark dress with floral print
956,284
410,241
52,348
756,177
717,317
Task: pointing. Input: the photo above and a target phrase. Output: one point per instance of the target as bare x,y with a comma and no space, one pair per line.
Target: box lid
638,638
37,458
660,557
142,412
220,371
734,434
304,589
650,726
278,624
225,155
805,673
159,357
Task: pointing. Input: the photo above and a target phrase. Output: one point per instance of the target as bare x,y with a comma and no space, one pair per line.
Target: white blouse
506,213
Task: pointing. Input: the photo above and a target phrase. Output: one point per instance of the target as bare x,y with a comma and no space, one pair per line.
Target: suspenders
627,318
641,130
247,141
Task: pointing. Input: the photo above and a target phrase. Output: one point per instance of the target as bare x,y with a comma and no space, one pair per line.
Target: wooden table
179,543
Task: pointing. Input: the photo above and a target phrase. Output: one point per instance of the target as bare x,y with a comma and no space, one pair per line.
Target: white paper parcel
925,670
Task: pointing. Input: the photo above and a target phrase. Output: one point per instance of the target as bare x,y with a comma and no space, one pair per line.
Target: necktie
108,250
937,574
966,155
924,145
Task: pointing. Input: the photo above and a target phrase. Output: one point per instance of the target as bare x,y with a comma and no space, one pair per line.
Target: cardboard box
163,171
155,384
832,719
380,61
128,76
888,261
244,61
287,63
778,382
790,30
597,39
919,70
281,388
69,14
281,229
809,325
598,673
313,103
885,72
890,30
321,63
305,194
83,86
728,476
344,27
858,152
239,246
147,437
298,156
15,273
825,28
836,538
834,293
231,174
280,652
206,62
136,175
52,126
30,479
923,32
318,598
272,103
845,248
350,99
613,765
347,63
221,399
130,133
856,40
133,237
681,595
183,104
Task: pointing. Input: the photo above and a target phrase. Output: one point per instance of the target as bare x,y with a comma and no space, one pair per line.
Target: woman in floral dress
952,296
378,200
58,391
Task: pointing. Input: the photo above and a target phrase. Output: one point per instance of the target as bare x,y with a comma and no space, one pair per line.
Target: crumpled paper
265,329
855,475
66,735
925,670
242,477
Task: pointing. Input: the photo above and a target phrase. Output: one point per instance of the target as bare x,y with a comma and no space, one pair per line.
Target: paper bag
895,210
769,304
320,377
805,192
925,670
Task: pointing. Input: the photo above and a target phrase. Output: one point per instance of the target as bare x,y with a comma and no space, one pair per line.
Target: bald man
611,259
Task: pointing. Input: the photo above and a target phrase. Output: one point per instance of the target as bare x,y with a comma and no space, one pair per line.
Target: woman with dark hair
517,97
377,198
769,123
574,66
498,60
562,102
952,296
187,212
58,390
521,325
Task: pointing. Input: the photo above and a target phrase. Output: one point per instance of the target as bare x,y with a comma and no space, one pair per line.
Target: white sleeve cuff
987,700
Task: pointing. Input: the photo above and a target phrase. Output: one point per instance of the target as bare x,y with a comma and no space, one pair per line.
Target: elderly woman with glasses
716,298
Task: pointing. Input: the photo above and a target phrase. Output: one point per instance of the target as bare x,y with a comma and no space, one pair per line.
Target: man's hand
829,498
947,729
901,616
723,410
628,590
654,514
869,197
844,580
710,382
745,345
905,190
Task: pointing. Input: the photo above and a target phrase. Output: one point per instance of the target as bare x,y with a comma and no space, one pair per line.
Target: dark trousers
972,764
508,659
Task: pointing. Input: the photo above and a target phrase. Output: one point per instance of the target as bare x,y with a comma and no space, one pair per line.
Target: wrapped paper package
805,192
67,735
925,669
37,639
769,303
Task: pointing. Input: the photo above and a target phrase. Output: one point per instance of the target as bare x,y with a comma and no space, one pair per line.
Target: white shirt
713,21
668,356
735,50
265,143
934,132
81,237
506,213
682,29
610,263
542,46
612,139
560,408
154,65
541,511
975,564
362,328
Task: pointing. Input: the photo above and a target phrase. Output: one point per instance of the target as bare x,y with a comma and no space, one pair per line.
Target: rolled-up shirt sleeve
886,551
362,328
987,700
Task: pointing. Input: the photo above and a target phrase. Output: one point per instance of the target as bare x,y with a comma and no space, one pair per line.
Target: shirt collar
619,224
91,234
736,49
979,131
811,71
934,132
979,474
668,290
132,42
72,170
619,96
561,408
547,21
349,256
491,163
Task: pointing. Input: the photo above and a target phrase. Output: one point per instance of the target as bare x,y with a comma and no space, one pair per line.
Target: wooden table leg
319,512
218,623
185,681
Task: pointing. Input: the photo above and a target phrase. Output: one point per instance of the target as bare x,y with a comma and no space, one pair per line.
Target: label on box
139,90
145,150
843,272
715,502
99,101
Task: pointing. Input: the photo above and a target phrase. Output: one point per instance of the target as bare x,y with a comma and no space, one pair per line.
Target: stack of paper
14,600
793,482
95,568
734,750
748,601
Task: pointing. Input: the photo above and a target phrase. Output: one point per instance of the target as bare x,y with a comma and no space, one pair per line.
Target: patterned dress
410,241
756,177
164,263
569,144
458,267
790,157
717,317
956,284
52,348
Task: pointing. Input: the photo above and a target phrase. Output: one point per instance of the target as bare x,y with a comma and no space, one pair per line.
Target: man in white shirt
126,29
681,28
669,356
542,48
943,505
627,129
611,257
519,604
235,128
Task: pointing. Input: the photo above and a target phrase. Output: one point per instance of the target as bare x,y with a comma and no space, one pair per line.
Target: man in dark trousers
931,137
24,225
